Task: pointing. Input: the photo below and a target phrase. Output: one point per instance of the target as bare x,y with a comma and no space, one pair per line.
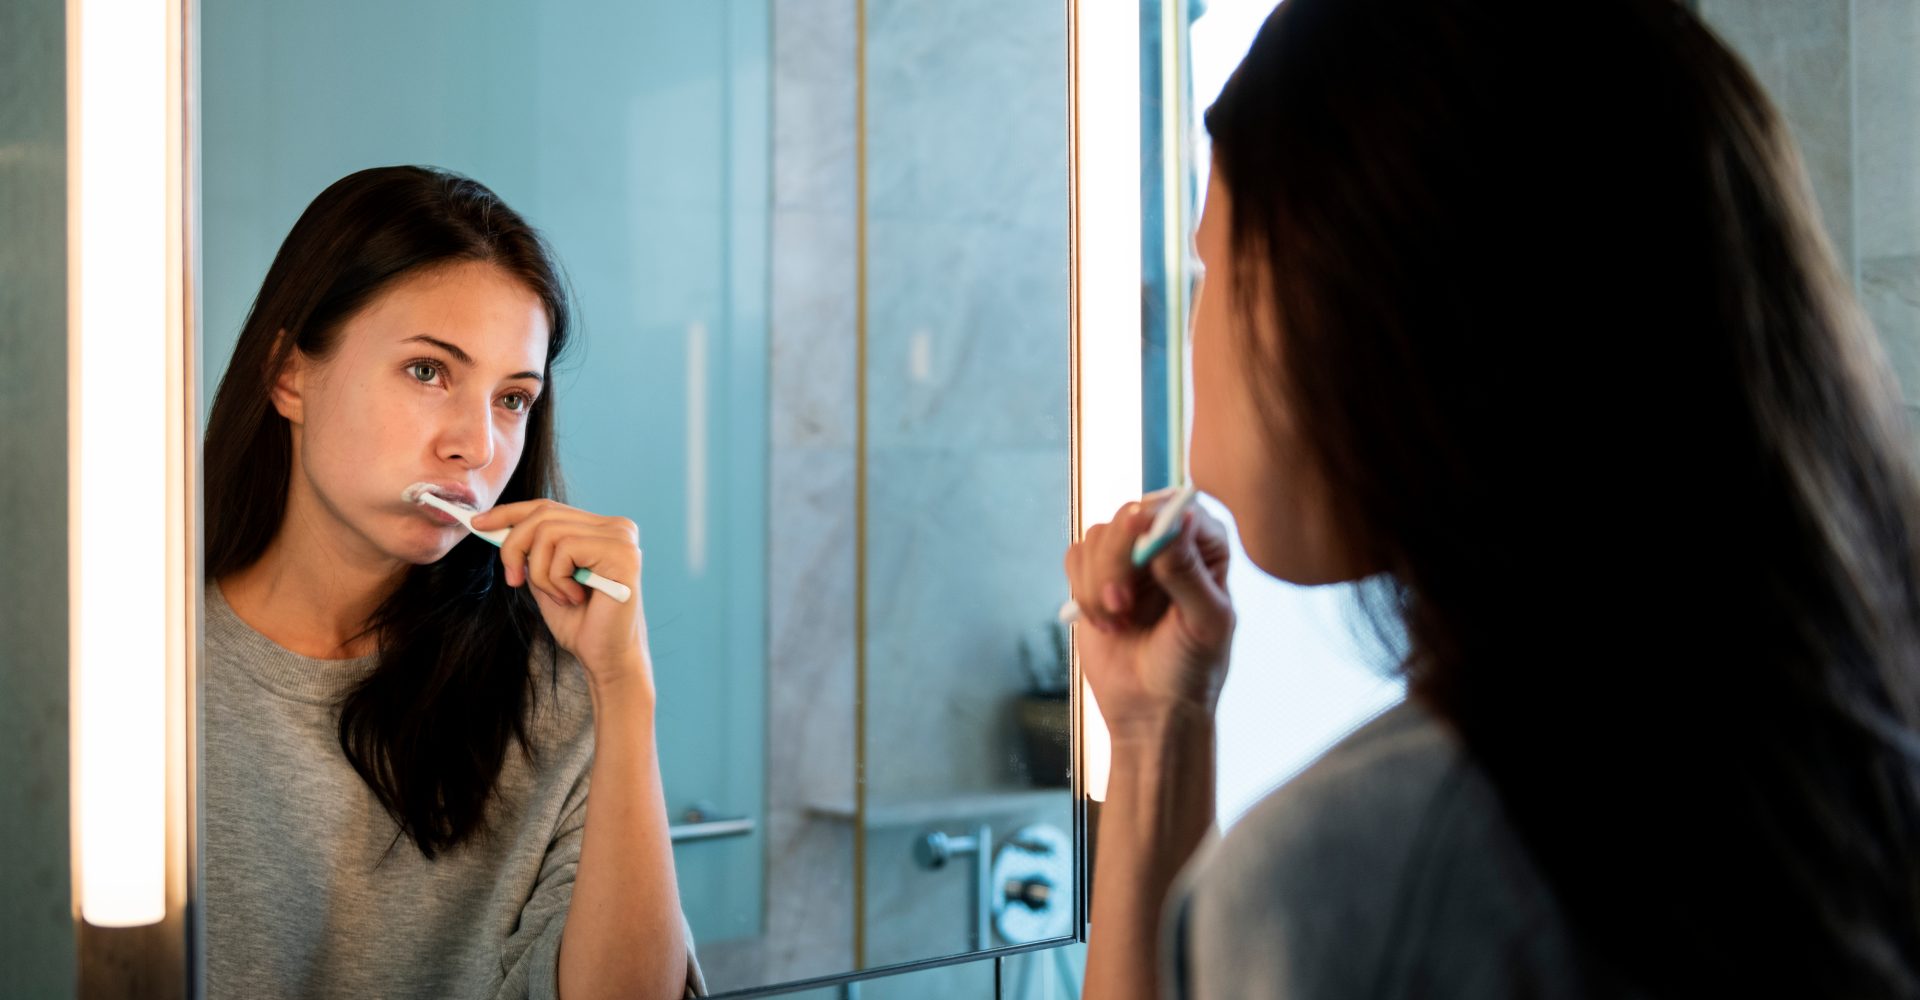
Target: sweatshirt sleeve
531,958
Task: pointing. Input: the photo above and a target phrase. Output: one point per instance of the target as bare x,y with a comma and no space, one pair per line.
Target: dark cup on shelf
1046,729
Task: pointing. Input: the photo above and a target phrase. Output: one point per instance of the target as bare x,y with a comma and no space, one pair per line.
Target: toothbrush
1161,533
422,493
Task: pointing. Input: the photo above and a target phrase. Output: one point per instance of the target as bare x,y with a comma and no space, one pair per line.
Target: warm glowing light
118,448
1107,253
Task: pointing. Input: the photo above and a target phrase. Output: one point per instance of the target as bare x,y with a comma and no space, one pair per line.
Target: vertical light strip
120,329
697,449
1106,248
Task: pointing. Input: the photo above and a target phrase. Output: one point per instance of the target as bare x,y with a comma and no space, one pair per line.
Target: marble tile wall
968,433
810,558
967,387
1846,73
967,379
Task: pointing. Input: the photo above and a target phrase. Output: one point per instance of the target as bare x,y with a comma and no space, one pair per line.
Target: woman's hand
1156,639
548,542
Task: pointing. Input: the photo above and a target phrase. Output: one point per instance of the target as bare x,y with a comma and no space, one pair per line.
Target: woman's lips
458,494
439,515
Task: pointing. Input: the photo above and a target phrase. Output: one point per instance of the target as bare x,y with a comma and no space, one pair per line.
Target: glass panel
965,461
966,981
635,137
1052,974
721,183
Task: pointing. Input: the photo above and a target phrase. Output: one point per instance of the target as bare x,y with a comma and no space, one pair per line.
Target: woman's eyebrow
464,358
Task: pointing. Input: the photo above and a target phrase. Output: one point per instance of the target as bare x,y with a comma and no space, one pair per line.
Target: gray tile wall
36,921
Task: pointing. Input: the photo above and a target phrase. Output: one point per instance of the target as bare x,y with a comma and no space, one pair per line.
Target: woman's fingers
530,546
609,546
1192,572
1113,564
1094,577
1083,582
1211,538
1182,569
602,549
531,550
560,547
521,517
1101,576
550,566
538,553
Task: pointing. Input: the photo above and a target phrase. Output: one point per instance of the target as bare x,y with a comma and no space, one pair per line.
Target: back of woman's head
429,728
1550,300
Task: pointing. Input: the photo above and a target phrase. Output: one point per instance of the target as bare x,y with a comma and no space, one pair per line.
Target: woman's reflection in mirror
402,721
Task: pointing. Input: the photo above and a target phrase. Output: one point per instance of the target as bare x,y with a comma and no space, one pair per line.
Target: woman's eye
425,371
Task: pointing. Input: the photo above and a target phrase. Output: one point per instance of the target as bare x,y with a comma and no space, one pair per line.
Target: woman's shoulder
1387,862
1358,796
1341,827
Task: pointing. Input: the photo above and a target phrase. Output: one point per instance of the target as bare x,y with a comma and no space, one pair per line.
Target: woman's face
1278,499
431,382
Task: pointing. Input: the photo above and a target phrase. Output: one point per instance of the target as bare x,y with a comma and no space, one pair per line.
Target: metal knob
1034,893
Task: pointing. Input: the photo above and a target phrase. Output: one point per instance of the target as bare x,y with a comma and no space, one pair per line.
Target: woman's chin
428,543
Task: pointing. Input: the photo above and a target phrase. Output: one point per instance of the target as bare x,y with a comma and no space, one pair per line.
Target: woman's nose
468,437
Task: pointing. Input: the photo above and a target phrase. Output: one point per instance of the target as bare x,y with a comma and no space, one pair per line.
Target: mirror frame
166,960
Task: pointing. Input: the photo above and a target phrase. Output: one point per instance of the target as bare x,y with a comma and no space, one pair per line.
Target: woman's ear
289,384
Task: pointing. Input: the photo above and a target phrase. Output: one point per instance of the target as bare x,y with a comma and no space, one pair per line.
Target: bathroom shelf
959,805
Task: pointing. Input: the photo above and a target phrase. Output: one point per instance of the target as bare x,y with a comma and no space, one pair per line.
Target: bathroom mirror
819,253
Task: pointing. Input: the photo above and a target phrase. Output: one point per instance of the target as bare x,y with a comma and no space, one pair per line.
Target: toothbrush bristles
419,492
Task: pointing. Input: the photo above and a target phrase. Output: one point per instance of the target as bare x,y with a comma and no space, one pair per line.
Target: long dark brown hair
1552,305
429,728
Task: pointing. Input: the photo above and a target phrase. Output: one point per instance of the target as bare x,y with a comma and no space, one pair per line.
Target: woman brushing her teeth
1520,317
402,722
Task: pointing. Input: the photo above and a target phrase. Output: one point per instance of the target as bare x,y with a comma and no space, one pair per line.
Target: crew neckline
275,667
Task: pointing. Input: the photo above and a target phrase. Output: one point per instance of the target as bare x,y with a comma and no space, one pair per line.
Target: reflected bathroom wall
636,137
967,465
1844,74
1846,77
811,690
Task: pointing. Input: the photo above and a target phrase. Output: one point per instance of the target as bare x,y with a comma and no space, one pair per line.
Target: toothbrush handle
612,588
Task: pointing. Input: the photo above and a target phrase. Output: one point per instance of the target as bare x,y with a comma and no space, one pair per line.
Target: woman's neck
311,594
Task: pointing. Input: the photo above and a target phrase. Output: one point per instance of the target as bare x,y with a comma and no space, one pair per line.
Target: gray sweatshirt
303,897
1387,868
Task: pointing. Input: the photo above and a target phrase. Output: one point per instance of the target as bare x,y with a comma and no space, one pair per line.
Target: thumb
1183,574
